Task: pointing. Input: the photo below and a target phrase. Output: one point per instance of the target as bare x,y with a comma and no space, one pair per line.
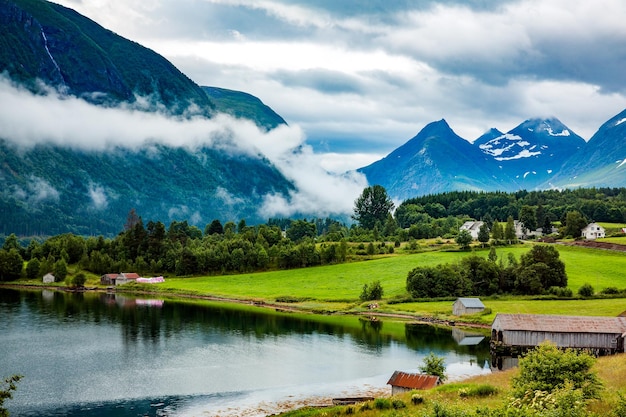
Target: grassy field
344,282
337,287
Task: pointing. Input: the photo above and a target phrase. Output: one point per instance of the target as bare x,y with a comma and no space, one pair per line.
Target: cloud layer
367,76
29,119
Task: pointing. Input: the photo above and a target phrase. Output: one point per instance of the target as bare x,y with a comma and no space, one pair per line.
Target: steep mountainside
534,151
54,44
244,105
601,162
51,190
435,160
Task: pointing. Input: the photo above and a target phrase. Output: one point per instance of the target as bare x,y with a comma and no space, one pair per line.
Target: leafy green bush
398,404
586,290
610,291
561,292
373,291
417,399
382,403
547,368
434,365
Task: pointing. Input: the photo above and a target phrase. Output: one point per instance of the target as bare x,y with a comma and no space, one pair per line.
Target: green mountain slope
49,42
51,190
244,105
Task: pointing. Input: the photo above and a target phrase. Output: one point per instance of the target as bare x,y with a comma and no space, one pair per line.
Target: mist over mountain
94,125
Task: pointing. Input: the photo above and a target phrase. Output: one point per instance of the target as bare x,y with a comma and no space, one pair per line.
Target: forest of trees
185,250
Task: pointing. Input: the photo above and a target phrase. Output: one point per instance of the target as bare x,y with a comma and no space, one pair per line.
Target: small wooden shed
48,278
402,382
603,335
463,306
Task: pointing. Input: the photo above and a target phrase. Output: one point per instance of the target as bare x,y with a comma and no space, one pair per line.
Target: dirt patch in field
598,245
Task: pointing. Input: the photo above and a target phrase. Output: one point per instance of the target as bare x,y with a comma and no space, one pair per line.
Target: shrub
562,292
382,404
374,291
610,291
79,280
417,399
398,404
434,365
586,290
547,368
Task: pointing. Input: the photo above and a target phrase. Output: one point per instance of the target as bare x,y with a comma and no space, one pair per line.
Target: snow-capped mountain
434,161
602,162
537,154
533,152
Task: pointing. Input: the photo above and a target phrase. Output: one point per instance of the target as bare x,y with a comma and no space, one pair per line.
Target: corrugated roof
559,324
471,302
413,381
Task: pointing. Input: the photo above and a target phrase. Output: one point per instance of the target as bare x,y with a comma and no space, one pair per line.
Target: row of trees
538,271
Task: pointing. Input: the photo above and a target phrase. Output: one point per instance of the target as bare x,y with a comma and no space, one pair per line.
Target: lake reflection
96,354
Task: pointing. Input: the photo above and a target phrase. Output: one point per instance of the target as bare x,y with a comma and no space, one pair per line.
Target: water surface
96,354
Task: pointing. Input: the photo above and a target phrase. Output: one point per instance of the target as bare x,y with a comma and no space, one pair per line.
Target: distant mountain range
51,189
537,154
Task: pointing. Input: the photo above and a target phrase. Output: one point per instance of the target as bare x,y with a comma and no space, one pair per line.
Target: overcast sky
364,76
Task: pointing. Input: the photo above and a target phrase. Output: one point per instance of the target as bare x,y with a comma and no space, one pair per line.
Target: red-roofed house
402,382
126,277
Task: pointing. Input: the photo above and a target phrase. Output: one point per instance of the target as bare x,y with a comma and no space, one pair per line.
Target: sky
354,79
362,77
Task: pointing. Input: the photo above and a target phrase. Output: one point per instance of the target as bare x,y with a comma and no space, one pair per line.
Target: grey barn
464,306
602,335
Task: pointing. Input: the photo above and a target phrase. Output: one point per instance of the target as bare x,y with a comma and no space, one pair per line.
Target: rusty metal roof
413,381
559,324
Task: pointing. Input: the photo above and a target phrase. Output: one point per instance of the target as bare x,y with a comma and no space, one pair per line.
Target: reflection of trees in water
424,338
149,323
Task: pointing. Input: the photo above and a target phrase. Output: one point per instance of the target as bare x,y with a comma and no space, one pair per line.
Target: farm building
602,335
48,278
402,382
108,279
593,231
464,306
473,227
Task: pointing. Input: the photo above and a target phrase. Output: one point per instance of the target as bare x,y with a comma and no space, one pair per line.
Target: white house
593,231
48,278
472,227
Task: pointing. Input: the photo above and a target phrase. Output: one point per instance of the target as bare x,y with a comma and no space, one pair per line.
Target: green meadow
337,287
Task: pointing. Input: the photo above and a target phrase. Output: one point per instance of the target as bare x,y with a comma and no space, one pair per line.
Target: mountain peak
550,126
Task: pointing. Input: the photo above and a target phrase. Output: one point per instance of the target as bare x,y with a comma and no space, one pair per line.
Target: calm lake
96,354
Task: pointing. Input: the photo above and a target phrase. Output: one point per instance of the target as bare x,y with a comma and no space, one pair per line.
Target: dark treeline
595,204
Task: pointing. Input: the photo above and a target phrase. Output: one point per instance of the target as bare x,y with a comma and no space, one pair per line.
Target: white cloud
37,191
30,119
98,196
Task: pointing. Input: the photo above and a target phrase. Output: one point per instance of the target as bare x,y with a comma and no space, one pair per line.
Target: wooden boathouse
516,333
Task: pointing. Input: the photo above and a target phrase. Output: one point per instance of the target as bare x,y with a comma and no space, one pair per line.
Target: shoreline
282,308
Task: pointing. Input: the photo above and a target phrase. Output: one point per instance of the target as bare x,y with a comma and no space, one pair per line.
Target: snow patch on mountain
565,132
525,153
